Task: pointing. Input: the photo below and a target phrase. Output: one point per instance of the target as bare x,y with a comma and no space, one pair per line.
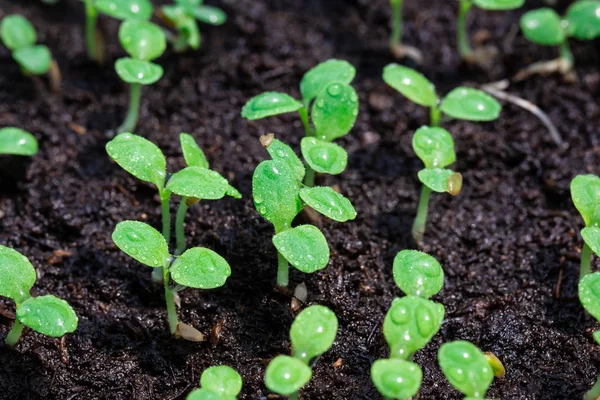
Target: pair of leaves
19,36
218,383
499,4
418,274
585,192
396,378
466,368
313,332
144,41
125,9
17,142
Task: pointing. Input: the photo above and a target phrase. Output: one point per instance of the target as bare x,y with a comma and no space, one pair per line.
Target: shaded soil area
509,244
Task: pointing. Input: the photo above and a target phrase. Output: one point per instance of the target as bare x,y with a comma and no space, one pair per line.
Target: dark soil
509,244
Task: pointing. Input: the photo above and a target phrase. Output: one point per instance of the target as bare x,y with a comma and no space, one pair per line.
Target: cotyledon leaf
466,367
48,315
335,111
328,202
192,153
304,247
17,275
543,26
471,105
286,375
282,152
411,84
17,141
434,146
417,273
200,268
585,192
198,182
589,294
396,379
268,104
441,180
143,72
324,157
222,379
141,242
325,73
17,32
313,332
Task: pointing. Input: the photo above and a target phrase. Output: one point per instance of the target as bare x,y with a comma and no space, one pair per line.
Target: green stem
418,229
594,392
566,54
15,334
396,35
180,44
165,196
91,16
464,48
586,258
283,270
309,178
169,298
435,116
179,226
134,109
293,396
304,118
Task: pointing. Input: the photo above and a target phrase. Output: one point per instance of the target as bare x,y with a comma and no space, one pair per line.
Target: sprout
585,192
435,147
218,383
47,314
279,196
144,42
461,103
466,368
312,334
18,142
333,114
589,295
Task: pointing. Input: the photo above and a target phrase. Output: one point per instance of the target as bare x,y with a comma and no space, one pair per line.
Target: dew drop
335,90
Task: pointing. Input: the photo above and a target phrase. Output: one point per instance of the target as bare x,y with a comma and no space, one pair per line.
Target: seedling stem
396,36
91,39
179,230
567,55
436,115
586,258
418,229
171,311
15,333
283,270
464,47
130,122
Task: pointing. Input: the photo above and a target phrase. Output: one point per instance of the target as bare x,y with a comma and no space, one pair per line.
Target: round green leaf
17,275
396,379
499,4
304,247
466,368
125,9
268,104
131,70
140,157
48,315
192,153
418,274
142,39
335,110
591,236
17,141
17,32
470,105
322,75
313,332
282,152
328,202
198,182
324,157
141,242
584,19
200,268
33,59
411,84
203,394
585,192
441,180
589,294
286,375
222,379
543,26
210,15
434,146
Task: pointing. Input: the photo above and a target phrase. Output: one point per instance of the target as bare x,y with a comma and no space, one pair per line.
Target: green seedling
18,142
279,196
397,48
183,16
466,368
461,103
545,27
333,114
144,42
435,147
410,324
46,314
312,334
589,295
585,192
218,383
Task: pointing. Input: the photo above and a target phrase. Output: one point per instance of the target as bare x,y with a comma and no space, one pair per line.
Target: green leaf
203,394
200,268
396,379
411,84
131,70
210,15
268,104
584,19
434,146
322,75
140,157
282,152
141,242
192,153
589,294
17,275
591,236
48,315
286,375
470,105
17,32
276,193
304,247
499,4
176,14
441,180
585,192
328,202
17,141
125,9
190,29
313,332
334,111
418,274
33,59
324,157
466,368
233,192
142,39
410,324
222,379
198,182
543,26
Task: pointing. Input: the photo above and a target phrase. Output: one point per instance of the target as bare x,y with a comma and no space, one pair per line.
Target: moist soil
509,243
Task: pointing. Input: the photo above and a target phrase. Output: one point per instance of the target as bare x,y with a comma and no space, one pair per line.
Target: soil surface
509,243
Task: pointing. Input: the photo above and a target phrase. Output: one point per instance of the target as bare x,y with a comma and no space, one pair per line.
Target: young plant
279,196
461,103
435,147
585,192
333,114
47,314
397,48
218,383
183,16
589,295
410,324
18,142
312,334
466,368
144,42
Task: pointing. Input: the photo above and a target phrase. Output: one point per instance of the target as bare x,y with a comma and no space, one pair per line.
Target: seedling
398,49
333,114
312,334
279,196
46,314
589,295
183,16
466,368
218,383
585,192
435,147
461,103
144,42
18,142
